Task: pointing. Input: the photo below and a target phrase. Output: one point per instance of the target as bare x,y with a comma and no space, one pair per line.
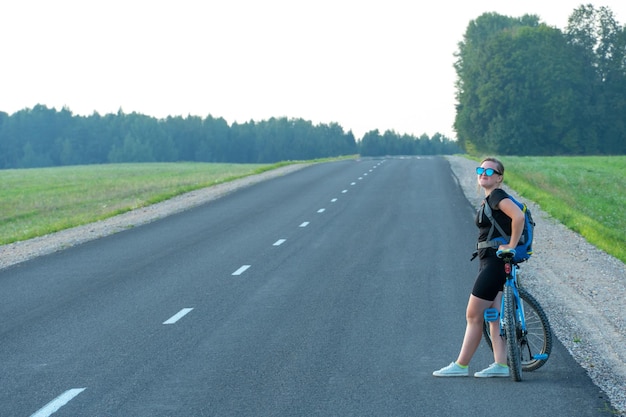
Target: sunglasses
487,171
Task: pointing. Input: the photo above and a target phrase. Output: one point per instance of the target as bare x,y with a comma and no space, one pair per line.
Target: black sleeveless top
484,224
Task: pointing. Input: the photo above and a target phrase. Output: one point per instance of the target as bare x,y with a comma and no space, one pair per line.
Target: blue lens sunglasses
487,171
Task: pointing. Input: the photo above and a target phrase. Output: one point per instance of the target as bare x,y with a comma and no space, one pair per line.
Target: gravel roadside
575,282
581,288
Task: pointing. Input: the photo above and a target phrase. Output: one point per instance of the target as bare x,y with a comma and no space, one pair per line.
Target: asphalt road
332,291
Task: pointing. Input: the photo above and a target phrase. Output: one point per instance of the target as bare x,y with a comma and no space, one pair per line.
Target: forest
525,88
41,137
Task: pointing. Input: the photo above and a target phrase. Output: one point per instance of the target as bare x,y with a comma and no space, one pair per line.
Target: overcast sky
363,64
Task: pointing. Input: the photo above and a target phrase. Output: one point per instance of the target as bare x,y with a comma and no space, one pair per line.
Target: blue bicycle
523,324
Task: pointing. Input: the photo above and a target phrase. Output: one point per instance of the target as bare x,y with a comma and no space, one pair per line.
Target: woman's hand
505,248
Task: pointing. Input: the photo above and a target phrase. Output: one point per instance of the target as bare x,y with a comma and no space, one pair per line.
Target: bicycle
523,324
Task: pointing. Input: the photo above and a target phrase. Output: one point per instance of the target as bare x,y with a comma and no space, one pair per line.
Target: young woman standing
487,291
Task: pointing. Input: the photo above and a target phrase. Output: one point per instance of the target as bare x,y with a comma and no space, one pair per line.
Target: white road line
241,270
58,402
279,242
333,200
304,224
182,313
344,191
321,210
353,183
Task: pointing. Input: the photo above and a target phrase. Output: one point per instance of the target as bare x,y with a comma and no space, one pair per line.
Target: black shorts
491,278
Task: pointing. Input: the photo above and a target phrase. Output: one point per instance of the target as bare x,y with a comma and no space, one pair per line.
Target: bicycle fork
492,314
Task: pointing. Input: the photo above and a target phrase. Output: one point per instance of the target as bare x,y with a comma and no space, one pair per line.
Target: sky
364,64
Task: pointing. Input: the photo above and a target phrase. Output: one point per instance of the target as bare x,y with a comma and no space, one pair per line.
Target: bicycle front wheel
536,345
512,332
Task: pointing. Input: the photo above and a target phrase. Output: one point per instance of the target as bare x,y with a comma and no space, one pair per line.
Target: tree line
391,143
525,88
43,136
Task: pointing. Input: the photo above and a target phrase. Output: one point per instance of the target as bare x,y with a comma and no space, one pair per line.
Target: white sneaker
452,370
495,370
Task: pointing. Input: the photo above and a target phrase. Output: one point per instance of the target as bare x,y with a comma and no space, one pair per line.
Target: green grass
35,202
586,194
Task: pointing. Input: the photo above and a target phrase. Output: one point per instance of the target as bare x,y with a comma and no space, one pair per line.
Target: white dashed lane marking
241,270
182,313
54,405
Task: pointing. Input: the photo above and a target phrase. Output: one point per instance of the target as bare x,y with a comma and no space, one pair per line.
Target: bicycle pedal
540,356
491,314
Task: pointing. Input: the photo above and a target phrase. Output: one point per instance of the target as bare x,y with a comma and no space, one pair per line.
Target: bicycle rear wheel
512,331
537,342
536,345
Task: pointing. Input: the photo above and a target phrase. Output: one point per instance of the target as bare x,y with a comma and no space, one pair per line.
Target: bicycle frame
511,281
528,339
492,314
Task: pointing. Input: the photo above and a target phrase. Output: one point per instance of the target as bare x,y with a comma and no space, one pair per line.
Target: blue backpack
524,248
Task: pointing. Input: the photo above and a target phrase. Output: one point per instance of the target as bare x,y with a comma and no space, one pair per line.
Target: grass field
587,194
35,202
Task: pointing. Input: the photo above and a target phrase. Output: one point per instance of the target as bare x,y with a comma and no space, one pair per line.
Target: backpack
524,248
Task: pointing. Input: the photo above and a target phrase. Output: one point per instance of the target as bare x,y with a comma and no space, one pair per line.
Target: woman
487,291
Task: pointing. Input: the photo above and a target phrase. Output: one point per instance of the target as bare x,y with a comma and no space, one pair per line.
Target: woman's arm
511,209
